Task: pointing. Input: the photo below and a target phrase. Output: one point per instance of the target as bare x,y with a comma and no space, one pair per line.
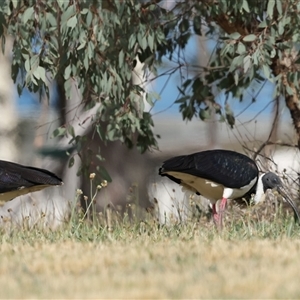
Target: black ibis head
272,181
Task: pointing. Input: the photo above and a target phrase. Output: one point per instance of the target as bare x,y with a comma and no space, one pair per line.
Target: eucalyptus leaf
270,8
72,22
249,38
28,14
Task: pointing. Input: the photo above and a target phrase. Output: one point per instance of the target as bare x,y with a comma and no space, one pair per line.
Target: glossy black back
232,169
13,176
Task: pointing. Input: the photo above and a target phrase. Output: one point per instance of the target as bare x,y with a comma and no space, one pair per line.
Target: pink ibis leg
219,215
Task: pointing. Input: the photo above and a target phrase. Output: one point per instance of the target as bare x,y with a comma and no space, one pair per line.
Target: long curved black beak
290,202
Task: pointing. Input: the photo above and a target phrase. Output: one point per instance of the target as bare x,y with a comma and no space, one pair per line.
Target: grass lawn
248,259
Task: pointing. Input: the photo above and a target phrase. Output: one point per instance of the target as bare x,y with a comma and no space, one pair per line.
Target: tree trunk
9,116
292,102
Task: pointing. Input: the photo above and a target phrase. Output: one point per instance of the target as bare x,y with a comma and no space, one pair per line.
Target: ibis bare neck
259,190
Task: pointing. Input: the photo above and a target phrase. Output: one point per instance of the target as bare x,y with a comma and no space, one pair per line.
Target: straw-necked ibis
221,175
17,180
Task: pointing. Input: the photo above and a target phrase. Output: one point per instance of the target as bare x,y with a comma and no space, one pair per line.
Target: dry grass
165,269
143,260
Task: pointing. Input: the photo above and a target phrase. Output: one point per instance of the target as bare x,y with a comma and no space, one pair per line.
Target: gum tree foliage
96,43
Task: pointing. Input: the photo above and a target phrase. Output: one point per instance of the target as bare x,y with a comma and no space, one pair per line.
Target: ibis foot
218,216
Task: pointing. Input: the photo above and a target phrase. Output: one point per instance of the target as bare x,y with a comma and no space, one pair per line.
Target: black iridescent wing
229,168
14,176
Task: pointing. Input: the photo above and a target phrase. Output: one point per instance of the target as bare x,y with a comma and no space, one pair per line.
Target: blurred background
258,125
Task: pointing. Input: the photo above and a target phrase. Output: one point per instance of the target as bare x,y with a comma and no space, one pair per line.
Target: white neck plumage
259,190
